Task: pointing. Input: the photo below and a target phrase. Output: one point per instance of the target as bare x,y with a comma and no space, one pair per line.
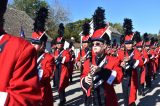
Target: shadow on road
71,92
75,101
152,99
120,97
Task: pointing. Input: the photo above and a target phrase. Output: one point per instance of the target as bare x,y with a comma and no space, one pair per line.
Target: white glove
88,79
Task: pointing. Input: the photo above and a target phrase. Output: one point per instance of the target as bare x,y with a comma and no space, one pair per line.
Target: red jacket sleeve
85,72
118,69
24,89
78,58
138,58
66,56
47,66
145,56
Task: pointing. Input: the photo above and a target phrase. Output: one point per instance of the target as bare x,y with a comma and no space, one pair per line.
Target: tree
58,14
117,26
159,33
29,6
74,29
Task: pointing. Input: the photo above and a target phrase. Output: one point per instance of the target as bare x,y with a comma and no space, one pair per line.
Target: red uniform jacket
156,57
111,66
113,52
19,85
83,54
45,68
145,61
64,75
72,61
134,78
152,64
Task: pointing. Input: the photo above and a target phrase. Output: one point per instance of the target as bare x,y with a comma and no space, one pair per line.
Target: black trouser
126,89
62,96
148,81
140,86
84,98
99,99
54,81
70,77
148,76
57,81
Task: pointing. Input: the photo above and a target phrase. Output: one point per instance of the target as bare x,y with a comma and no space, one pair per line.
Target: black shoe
54,86
143,94
133,104
148,86
154,76
62,103
71,81
139,93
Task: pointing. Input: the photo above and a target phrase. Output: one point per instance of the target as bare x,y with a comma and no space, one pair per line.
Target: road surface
74,93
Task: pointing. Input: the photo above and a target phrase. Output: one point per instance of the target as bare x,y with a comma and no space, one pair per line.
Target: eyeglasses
96,44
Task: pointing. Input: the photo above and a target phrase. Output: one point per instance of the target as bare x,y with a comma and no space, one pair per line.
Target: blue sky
145,14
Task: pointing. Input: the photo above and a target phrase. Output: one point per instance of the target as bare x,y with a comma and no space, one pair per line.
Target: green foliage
158,37
57,14
117,26
29,6
74,29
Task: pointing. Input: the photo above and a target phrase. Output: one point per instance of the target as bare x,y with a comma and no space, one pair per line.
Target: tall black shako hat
3,7
154,42
86,32
114,44
39,36
146,39
138,40
128,27
60,39
100,26
122,40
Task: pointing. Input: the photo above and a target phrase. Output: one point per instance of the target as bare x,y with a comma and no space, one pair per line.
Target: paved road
74,94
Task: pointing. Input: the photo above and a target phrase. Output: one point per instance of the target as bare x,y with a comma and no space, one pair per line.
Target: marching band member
130,59
84,51
72,61
150,64
62,58
100,67
141,70
19,85
45,60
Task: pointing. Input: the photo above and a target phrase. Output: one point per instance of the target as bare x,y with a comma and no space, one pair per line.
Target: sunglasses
96,44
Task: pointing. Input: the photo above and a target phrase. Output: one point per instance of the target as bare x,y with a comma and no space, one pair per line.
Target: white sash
3,97
39,68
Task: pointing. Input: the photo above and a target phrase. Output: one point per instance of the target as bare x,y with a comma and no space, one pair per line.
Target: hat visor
128,42
139,46
59,42
97,39
147,45
34,41
85,41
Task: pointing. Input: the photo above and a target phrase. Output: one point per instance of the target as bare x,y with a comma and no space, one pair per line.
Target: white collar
1,37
